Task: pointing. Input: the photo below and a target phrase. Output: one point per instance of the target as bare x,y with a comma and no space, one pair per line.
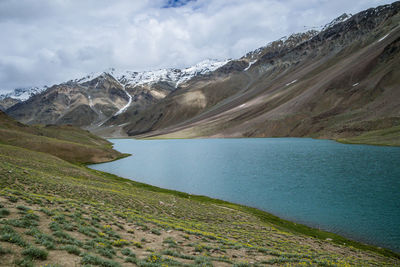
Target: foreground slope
63,214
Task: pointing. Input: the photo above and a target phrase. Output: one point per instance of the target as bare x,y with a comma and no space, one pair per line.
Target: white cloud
51,41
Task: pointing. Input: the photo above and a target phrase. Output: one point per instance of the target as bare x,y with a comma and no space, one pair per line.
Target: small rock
329,239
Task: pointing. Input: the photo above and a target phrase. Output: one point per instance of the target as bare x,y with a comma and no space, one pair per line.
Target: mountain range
340,82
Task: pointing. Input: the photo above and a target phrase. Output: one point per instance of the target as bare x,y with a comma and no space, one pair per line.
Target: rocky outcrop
8,102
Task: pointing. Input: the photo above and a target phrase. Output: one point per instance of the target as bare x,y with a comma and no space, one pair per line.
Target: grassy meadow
54,211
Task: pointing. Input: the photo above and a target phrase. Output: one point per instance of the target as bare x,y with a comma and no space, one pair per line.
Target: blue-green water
352,190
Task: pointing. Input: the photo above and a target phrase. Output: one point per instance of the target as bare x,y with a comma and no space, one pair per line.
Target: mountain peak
170,75
23,94
340,19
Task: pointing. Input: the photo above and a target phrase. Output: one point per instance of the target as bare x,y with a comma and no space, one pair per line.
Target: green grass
95,260
385,137
72,249
107,252
24,222
35,253
4,212
8,234
41,238
128,252
66,142
155,231
24,262
97,217
268,218
206,216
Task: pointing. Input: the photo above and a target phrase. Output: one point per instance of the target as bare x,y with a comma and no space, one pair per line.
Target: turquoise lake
352,190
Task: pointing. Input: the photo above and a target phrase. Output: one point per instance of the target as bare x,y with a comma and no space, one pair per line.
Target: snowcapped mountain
127,80
98,97
23,94
286,42
292,40
239,96
173,76
340,19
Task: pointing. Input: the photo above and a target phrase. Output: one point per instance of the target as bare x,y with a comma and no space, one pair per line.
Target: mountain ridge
202,67
317,83
327,48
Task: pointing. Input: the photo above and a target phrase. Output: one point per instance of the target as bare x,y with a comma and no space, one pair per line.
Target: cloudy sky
50,41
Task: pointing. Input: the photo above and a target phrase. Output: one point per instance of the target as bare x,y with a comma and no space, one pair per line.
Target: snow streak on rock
124,108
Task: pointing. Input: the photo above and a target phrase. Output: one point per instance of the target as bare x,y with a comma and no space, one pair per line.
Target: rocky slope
8,102
94,99
18,95
342,81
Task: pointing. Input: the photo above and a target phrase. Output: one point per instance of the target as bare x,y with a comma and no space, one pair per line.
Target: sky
45,42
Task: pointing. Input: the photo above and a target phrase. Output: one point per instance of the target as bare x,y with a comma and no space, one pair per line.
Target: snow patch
23,94
292,82
354,85
242,105
124,108
250,63
89,77
383,38
174,76
90,102
336,21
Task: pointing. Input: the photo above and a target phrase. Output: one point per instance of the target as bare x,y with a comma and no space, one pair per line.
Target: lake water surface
352,190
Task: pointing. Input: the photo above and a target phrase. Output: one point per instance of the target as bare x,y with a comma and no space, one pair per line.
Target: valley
340,82
337,83
56,212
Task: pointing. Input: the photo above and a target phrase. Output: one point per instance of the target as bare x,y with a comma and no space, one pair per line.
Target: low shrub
24,262
106,252
22,208
128,252
155,231
4,212
95,260
47,212
8,234
131,259
35,253
120,243
72,249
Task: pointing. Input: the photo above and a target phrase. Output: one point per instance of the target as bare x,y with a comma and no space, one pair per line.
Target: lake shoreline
294,227
347,141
